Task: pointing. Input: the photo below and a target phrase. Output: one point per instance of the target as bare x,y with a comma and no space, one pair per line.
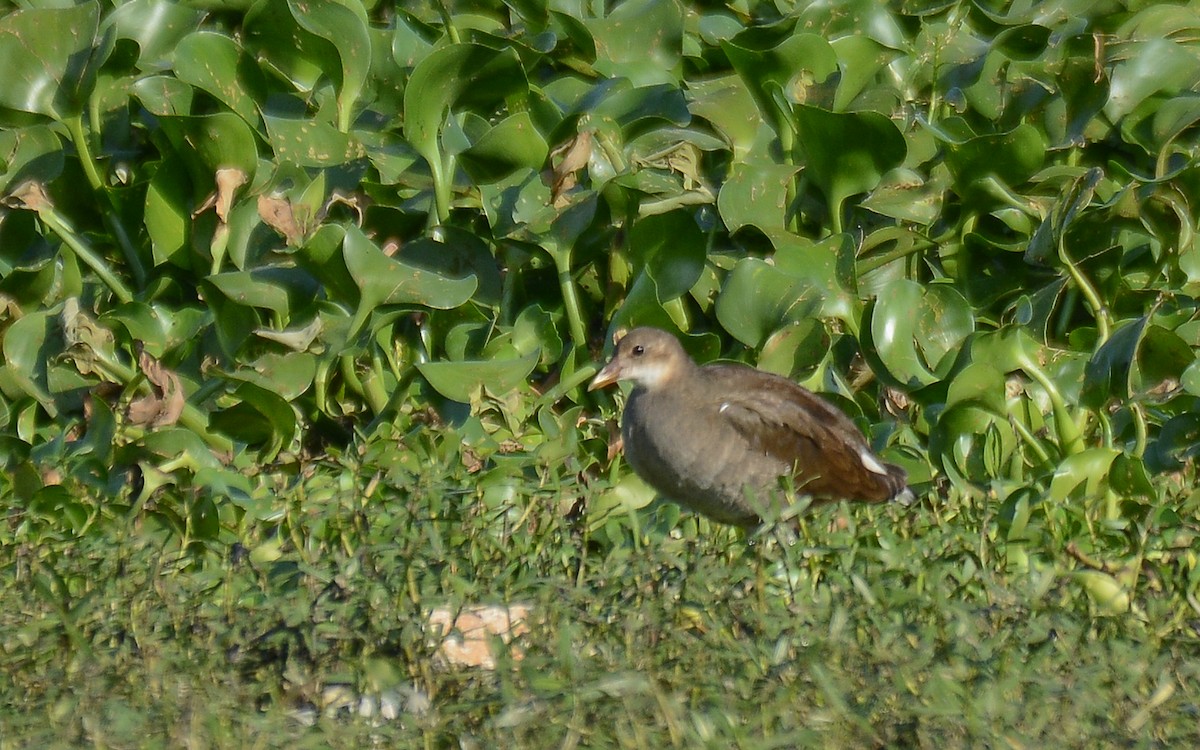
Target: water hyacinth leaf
1111,370
973,443
280,289
775,59
215,63
634,108
461,381
630,494
467,75
408,45
667,251
1129,477
1162,356
311,143
1024,42
847,153
535,331
795,349
860,59
28,345
641,40
512,144
457,254
260,418
1011,158
944,320
1170,120
175,443
894,332
758,299
345,27
164,96
50,59
32,153
157,26
1088,469
1178,444
978,383
1150,66
670,249
1190,380
905,195
289,374
208,143
727,104
157,332
281,34
756,195
385,281
168,214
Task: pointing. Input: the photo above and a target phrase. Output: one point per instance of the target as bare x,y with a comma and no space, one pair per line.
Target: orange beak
609,375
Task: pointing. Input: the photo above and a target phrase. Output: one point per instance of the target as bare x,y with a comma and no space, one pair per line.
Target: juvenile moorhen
724,439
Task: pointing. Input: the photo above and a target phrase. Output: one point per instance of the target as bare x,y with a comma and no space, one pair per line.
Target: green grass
872,627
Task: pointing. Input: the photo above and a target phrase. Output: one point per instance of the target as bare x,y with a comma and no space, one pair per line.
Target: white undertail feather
872,464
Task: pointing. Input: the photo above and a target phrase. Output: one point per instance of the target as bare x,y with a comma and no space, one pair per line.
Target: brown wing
782,419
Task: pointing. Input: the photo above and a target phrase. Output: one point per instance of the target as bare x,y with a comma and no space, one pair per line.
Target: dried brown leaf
229,179
164,404
280,215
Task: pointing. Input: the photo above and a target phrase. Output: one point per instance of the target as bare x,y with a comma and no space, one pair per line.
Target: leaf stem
1068,431
1030,439
111,219
866,265
59,225
562,262
1099,310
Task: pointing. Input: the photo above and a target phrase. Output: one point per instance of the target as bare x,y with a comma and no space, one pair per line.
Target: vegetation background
298,298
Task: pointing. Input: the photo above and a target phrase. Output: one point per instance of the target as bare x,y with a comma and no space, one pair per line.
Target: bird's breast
693,456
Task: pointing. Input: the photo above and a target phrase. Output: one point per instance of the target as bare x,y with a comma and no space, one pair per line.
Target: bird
728,440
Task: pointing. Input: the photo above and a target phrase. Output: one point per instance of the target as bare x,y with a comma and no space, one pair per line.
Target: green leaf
157,26
758,299
216,64
641,40
278,289
49,60
756,195
260,418
916,333
312,143
726,102
1150,66
462,381
384,281
211,142
168,214
32,153
457,75
1010,158
781,66
27,347
1088,469
512,144
847,153
344,26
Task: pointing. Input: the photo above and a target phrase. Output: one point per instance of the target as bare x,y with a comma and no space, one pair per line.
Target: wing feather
784,420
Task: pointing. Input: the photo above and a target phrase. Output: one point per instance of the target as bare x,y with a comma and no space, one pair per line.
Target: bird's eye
639,350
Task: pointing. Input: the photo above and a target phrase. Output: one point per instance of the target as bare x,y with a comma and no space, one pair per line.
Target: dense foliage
272,271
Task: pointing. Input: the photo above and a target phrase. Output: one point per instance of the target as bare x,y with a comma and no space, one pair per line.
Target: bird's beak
609,375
